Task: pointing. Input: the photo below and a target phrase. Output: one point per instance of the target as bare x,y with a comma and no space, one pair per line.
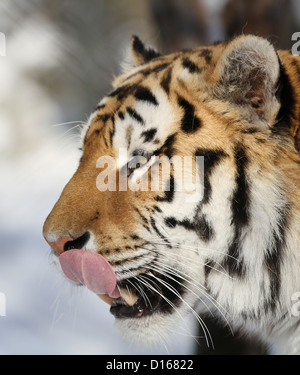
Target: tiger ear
141,54
247,75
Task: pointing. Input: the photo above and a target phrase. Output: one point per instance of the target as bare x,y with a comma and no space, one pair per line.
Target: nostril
78,243
58,245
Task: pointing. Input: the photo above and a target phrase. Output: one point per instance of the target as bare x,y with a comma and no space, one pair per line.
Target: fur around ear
248,73
140,53
137,55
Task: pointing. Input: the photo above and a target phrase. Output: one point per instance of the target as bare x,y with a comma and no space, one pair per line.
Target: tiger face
217,242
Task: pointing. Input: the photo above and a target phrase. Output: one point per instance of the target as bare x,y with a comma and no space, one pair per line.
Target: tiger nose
68,243
59,245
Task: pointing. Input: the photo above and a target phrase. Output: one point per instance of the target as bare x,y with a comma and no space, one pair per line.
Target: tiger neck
248,279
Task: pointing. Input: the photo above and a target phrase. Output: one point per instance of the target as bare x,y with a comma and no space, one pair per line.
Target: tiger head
215,242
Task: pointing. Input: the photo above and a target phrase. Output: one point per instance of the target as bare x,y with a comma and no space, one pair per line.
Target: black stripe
240,200
149,134
147,53
156,69
240,214
122,92
190,122
135,237
133,114
121,115
166,81
152,221
207,54
156,208
146,71
111,135
167,148
273,260
199,225
203,228
141,215
100,106
188,64
142,93
286,96
171,222
104,118
211,159
169,193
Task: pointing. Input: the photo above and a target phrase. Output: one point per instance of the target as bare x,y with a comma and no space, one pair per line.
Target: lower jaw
146,331
137,311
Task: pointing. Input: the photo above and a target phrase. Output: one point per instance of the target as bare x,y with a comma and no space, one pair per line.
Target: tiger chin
226,243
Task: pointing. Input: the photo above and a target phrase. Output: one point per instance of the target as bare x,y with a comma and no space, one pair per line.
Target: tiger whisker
215,303
197,285
193,260
196,248
141,291
147,284
69,130
68,123
167,273
112,111
186,333
75,137
206,332
171,304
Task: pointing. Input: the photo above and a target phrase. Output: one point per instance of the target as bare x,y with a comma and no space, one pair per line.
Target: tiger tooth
128,296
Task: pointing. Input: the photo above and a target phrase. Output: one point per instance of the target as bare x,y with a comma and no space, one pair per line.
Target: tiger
229,246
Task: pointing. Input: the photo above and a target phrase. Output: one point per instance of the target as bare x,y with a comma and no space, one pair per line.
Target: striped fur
233,250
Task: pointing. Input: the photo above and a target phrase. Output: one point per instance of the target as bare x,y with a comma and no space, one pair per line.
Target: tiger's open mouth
131,304
93,270
161,293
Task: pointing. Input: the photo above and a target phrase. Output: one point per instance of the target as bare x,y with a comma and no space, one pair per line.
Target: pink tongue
91,269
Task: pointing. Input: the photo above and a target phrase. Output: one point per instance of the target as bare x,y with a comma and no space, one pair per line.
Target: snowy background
60,58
